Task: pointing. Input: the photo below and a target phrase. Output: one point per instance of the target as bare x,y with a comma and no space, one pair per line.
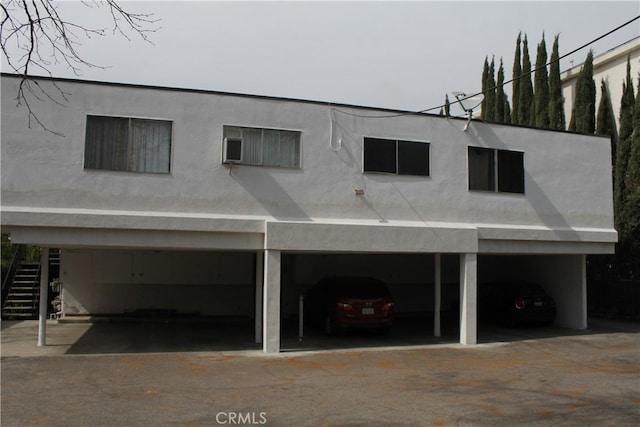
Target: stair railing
36,287
18,256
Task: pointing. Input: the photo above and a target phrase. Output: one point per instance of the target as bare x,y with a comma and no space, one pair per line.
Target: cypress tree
516,73
631,207
490,94
447,106
583,117
606,122
623,151
485,74
507,110
541,99
500,95
526,114
556,100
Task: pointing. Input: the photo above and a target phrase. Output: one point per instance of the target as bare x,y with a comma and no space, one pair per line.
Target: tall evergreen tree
485,78
606,121
556,100
583,117
501,97
623,151
507,110
541,79
447,106
490,93
516,73
526,114
631,209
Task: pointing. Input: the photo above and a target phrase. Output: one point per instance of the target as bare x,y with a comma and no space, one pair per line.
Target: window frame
297,151
497,180
130,168
397,168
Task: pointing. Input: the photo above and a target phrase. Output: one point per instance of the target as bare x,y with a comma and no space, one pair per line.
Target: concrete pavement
531,379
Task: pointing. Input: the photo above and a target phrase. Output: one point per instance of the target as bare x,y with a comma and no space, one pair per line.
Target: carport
562,276
433,270
298,254
153,268
425,287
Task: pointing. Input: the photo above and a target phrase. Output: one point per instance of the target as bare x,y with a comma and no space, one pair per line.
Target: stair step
22,316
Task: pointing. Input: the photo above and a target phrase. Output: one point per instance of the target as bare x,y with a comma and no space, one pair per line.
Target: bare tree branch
39,36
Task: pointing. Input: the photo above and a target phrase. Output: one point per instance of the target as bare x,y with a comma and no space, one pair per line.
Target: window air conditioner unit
232,150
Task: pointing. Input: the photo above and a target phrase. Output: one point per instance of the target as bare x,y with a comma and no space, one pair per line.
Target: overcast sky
400,55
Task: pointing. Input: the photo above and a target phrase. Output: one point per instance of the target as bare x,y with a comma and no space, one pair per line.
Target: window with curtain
128,144
267,147
396,156
496,170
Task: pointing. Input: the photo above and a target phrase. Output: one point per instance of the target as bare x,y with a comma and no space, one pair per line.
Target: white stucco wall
122,281
567,182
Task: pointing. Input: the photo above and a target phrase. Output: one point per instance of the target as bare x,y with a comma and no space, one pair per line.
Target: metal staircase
24,294
21,289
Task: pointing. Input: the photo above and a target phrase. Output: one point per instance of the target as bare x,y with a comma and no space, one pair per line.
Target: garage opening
530,293
180,299
410,280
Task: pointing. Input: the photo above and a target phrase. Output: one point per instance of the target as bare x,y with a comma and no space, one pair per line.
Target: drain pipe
44,297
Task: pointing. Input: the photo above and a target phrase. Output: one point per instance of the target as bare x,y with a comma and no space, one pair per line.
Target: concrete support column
437,295
583,306
44,297
259,286
271,302
468,298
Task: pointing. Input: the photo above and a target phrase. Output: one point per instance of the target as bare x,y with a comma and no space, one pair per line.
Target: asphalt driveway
529,378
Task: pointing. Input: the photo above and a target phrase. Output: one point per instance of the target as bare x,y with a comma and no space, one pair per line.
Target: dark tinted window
413,158
488,167
510,171
394,156
481,169
379,155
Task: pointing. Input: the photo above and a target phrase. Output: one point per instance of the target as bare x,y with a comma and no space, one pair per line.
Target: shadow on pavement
151,336
159,336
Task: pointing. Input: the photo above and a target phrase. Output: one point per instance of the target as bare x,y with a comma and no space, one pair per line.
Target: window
496,170
126,144
396,156
267,147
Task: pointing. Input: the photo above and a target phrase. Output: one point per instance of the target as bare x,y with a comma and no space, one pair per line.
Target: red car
339,303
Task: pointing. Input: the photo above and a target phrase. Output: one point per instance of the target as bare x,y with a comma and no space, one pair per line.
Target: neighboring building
611,67
233,205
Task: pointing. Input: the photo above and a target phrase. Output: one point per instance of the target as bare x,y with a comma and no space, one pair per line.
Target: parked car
515,303
338,303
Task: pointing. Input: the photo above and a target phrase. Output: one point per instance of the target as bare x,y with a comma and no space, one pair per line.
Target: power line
525,74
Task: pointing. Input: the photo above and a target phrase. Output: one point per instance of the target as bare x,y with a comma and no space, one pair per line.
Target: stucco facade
237,224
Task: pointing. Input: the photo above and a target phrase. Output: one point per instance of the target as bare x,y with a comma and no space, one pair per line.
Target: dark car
338,303
515,303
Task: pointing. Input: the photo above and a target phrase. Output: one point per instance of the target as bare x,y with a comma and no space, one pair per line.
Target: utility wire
525,74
